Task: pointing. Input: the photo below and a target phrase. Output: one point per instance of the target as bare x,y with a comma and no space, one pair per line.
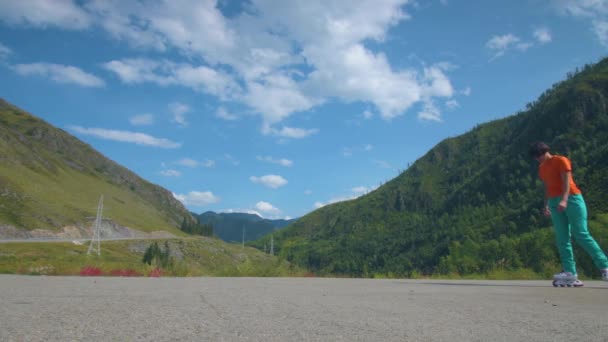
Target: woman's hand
563,204
546,211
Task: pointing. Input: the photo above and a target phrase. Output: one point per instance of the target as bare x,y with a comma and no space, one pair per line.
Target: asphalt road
38,308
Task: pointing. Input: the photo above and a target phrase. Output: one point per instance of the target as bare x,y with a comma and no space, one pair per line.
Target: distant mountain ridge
51,180
229,226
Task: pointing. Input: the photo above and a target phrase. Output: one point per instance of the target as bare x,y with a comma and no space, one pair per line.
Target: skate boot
605,274
566,279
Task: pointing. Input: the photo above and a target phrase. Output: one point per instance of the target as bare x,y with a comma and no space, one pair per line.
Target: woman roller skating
565,204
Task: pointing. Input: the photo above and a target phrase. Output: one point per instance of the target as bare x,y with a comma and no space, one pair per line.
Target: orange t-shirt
550,173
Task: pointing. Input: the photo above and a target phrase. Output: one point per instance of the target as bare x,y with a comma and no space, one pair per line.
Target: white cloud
430,112
277,96
500,44
290,132
231,159
353,73
170,173
356,193
223,113
188,162
382,164
583,8
452,104
197,198
593,11
466,91
259,47
41,13
246,211
266,207
319,204
119,19
349,151
601,30
192,26
542,35
282,161
126,136
4,51
367,114
307,192
524,46
253,212
59,73
179,110
360,189
437,83
166,73
278,58
142,120
133,71
271,181
202,78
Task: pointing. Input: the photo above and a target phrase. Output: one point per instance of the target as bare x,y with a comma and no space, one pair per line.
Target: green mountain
471,204
51,180
229,226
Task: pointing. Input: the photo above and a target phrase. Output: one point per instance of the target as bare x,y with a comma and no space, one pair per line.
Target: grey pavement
39,308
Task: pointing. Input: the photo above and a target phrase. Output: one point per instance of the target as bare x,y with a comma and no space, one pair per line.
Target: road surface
38,308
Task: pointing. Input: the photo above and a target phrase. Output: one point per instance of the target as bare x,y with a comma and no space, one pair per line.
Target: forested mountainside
230,226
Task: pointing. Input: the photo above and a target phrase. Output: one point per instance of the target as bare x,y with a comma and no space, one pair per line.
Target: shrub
90,271
155,255
157,272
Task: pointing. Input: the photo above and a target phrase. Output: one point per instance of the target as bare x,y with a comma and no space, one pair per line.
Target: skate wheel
554,283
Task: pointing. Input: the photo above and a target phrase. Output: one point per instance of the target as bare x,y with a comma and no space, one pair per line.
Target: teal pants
573,223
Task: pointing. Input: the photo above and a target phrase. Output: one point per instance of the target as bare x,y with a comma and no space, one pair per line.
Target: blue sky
280,107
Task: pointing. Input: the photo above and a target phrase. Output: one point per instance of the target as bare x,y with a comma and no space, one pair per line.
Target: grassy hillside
471,205
190,257
50,179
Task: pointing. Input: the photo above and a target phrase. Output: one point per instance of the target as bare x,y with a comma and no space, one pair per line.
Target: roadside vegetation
186,257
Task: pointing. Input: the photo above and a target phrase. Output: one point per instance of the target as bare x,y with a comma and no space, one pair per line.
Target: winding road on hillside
83,241
38,308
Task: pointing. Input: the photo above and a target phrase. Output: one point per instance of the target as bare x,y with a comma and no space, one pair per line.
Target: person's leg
562,236
577,216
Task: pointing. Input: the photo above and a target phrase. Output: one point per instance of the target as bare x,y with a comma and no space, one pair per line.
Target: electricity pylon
96,239
271,244
243,239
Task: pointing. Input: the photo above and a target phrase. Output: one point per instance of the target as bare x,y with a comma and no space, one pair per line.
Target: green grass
193,257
